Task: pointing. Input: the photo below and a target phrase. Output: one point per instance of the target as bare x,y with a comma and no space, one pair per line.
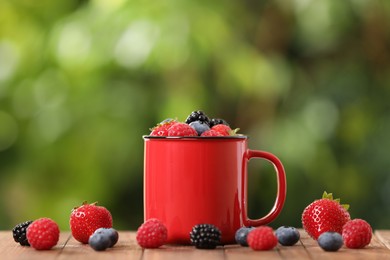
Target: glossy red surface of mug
195,180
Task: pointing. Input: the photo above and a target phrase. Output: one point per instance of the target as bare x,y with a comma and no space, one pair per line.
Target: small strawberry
357,233
225,130
152,234
211,133
325,215
84,220
162,128
262,238
182,129
43,234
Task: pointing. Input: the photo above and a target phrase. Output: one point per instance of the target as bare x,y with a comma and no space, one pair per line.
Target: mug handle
281,190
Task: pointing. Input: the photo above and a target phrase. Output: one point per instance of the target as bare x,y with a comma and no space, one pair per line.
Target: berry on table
84,220
43,234
205,236
152,234
99,241
287,236
181,129
357,233
242,234
200,126
324,215
19,233
262,238
111,233
198,115
330,241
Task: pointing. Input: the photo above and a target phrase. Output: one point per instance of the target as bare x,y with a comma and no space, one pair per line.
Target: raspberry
262,238
152,234
330,241
205,236
84,220
162,128
210,133
182,129
19,233
224,130
287,236
43,234
357,233
198,116
242,234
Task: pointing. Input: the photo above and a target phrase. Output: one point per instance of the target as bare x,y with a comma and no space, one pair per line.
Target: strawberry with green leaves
325,215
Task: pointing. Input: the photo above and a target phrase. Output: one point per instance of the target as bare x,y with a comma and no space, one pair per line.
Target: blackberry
198,116
218,121
19,233
205,236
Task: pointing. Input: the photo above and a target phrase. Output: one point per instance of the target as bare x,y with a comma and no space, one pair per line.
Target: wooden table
127,248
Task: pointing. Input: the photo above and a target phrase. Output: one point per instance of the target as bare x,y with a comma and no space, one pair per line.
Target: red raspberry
152,234
222,129
262,238
84,220
162,128
182,129
211,133
43,234
357,233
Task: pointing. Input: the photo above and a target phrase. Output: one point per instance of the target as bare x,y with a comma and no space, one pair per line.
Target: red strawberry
152,234
262,238
224,130
182,129
162,128
357,233
325,215
211,133
84,220
43,234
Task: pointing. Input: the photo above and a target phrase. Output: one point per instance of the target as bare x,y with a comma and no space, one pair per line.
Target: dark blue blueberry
99,241
111,233
287,236
241,235
200,126
330,241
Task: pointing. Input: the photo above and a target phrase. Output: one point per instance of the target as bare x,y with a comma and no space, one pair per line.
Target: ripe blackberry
19,233
205,236
217,121
198,116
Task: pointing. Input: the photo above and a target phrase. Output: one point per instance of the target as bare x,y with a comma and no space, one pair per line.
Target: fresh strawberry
211,133
182,129
262,238
84,220
357,233
224,130
325,215
152,234
162,128
43,234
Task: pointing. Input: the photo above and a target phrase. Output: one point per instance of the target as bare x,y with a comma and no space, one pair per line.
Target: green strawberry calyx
329,196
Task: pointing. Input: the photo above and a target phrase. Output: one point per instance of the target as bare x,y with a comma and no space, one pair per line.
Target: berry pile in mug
196,124
89,224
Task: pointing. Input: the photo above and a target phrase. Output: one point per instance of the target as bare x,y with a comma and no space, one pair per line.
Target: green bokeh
82,81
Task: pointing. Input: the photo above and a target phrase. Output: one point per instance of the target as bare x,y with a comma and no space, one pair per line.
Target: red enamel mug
203,180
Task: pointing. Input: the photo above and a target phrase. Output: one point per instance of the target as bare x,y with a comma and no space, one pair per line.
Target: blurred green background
82,81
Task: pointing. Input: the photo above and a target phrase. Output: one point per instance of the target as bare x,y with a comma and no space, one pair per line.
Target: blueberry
287,236
330,241
111,233
99,241
200,126
241,235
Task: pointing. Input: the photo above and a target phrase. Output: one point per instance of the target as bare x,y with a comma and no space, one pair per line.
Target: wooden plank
384,237
236,252
171,252
126,248
11,250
